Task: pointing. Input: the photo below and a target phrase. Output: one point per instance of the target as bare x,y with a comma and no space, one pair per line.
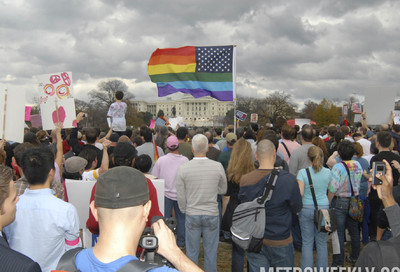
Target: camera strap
67,263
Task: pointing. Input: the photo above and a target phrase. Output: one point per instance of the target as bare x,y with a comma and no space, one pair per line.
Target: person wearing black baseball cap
122,206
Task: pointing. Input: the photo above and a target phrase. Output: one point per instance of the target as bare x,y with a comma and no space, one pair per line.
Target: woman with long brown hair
240,163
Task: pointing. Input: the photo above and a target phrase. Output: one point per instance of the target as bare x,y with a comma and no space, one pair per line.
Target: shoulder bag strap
67,261
269,187
348,173
287,150
312,188
136,265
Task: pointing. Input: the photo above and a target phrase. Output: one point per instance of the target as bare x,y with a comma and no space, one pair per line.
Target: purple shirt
166,168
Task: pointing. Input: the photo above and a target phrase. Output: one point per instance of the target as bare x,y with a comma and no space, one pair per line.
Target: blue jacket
285,201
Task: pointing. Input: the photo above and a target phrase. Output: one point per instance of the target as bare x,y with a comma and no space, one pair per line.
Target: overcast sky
310,49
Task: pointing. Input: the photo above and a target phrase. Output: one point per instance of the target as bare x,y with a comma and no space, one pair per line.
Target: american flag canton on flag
199,71
356,107
214,59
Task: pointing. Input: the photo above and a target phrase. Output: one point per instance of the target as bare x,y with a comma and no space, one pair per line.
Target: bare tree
106,90
277,105
309,108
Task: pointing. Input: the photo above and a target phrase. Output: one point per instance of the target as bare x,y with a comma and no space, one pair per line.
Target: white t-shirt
91,175
117,111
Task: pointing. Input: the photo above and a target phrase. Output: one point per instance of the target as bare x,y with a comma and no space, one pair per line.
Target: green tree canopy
326,113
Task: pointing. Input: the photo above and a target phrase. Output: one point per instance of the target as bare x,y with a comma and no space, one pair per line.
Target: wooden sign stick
58,117
4,116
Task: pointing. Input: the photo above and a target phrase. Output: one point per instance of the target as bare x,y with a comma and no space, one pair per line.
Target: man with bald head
277,250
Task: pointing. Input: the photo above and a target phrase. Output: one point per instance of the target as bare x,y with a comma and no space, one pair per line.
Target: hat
231,137
75,164
172,142
114,137
121,187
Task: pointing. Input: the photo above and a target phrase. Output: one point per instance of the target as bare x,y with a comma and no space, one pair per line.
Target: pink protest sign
36,120
28,110
152,123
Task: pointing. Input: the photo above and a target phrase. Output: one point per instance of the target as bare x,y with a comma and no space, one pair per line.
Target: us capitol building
204,111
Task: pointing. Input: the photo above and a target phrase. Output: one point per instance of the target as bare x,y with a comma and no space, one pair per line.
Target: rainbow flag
199,71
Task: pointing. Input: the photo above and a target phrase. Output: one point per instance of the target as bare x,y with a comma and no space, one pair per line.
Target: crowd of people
207,173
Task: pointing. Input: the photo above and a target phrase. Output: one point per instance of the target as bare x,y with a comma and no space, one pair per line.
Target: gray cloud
310,49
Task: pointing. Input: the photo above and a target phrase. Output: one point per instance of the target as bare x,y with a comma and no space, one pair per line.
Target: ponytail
316,157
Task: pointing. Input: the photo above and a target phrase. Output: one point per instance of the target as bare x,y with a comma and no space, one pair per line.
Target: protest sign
28,110
177,122
12,115
159,185
345,109
241,115
79,193
56,104
357,118
36,120
379,102
396,117
254,118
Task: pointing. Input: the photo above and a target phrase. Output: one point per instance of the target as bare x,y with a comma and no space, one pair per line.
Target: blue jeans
180,218
309,233
237,258
341,206
208,226
271,256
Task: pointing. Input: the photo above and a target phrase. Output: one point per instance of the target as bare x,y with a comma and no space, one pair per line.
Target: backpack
67,263
248,221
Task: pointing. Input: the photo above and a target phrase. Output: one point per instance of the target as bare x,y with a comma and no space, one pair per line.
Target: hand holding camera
385,186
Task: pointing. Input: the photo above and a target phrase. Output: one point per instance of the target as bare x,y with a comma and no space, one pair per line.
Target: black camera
149,242
378,168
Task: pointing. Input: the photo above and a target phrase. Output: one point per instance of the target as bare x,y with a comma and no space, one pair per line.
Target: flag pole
234,88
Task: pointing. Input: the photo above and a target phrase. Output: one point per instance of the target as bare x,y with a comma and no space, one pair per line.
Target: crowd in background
207,172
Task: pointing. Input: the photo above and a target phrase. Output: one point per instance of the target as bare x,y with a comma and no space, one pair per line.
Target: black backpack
67,263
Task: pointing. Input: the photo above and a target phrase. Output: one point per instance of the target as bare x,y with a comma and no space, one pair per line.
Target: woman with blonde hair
240,163
320,178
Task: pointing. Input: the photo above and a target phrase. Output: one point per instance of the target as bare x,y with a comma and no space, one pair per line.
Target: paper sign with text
241,115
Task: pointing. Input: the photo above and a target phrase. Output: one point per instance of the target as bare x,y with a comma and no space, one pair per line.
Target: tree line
276,108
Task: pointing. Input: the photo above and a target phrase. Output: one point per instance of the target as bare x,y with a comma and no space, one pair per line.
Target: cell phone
378,168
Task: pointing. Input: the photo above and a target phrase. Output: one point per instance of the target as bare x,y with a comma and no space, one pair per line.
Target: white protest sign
159,184
79,193
379,102
301,122
357,118
12,115
396,117
56,103
177,121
